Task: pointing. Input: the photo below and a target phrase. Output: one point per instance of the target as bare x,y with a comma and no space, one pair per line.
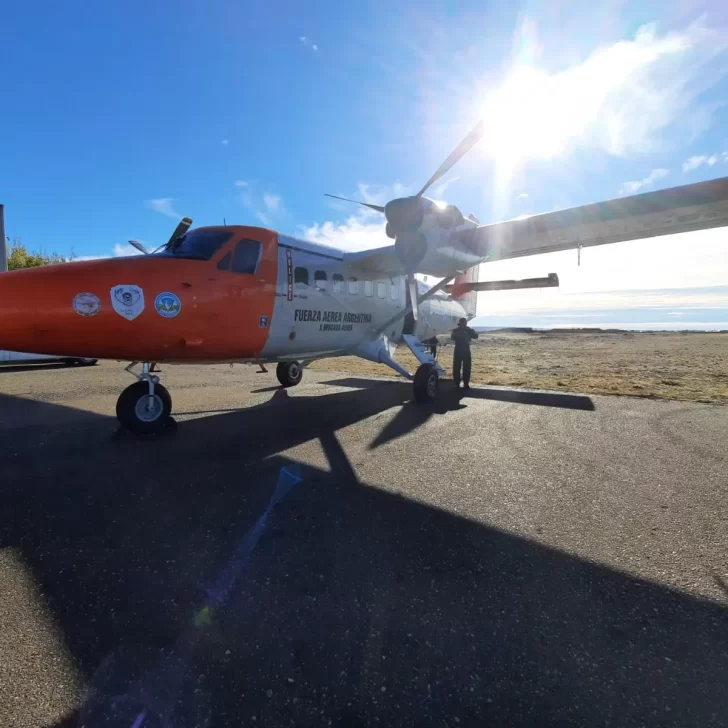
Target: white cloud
123,250
225,142
438,192
630,188
272,202
265,207
163,205
630,274
357,232
621,98
704,159
363,228
523,195
306,42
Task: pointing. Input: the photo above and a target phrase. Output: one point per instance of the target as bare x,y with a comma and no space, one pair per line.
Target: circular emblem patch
167,305
86,304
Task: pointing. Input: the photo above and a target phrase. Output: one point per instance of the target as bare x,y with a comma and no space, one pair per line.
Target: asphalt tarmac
336,555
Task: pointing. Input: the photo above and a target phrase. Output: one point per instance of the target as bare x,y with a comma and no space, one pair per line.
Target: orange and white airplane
248,294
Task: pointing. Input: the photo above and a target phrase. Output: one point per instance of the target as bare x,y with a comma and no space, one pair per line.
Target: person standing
462,336
432,343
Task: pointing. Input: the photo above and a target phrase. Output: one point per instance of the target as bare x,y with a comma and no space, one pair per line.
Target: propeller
474,136
405,214
378,208
136,244
181,229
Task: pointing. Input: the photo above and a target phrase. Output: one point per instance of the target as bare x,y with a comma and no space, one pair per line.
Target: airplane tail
468,299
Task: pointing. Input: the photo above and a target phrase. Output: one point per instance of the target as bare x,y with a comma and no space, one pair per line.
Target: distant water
645,326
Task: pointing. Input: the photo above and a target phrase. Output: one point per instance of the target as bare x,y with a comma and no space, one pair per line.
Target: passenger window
224,263
320,279
353,286
246,257
368,288
381,289
338,280
300,275
394,291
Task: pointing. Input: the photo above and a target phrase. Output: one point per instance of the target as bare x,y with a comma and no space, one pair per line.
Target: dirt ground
680,366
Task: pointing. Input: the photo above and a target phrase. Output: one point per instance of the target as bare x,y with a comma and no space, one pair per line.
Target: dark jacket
462,337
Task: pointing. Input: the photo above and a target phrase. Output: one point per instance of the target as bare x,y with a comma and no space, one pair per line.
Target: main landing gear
426,381
145,406
289,373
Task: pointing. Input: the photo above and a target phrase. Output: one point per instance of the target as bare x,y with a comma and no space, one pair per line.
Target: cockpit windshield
200,244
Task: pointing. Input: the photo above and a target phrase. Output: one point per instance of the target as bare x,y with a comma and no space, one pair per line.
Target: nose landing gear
145,406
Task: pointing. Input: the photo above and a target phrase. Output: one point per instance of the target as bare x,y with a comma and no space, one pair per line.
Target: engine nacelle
428,238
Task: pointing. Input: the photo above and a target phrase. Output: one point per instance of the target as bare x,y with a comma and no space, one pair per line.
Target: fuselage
232,293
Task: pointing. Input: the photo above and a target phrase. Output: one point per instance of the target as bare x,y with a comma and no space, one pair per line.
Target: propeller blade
136,244
456,155
378,208
181,229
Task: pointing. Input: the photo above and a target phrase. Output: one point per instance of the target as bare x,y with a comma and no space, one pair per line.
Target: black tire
425,383
80,362
289,373
132,403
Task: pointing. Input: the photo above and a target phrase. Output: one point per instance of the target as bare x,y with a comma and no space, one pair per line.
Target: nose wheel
145,406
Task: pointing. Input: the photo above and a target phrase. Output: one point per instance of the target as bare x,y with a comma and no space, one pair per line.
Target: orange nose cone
37,311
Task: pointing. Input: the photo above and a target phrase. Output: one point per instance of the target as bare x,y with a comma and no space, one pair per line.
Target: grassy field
691,367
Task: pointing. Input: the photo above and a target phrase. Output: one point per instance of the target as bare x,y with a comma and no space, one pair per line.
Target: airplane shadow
517,396
412,415
358,606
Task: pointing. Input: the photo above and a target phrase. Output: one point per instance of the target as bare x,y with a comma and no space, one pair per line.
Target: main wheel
140,413
80,362
425,383
289,373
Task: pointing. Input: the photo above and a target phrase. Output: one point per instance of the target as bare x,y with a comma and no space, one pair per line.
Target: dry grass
691,367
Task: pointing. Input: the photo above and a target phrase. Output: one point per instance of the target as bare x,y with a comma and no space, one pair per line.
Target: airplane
238,293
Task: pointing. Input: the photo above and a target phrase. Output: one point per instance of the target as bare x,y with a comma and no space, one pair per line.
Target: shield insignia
127,301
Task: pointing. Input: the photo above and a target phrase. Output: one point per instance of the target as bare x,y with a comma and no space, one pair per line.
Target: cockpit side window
246,257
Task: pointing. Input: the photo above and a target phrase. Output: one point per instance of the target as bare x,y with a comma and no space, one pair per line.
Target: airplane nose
41,309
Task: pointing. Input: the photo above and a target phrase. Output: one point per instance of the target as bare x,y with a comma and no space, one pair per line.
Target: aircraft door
246,274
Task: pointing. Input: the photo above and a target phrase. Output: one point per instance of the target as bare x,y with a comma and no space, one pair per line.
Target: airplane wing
682,209
378,261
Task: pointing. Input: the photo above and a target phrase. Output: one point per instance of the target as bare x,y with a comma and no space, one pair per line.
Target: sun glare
533,115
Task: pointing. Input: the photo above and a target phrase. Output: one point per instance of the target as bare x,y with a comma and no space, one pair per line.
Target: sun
535,115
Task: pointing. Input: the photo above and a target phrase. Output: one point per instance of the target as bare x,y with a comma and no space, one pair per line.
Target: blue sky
119,118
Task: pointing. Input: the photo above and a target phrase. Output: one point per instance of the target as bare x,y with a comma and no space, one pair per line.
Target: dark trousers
461,359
